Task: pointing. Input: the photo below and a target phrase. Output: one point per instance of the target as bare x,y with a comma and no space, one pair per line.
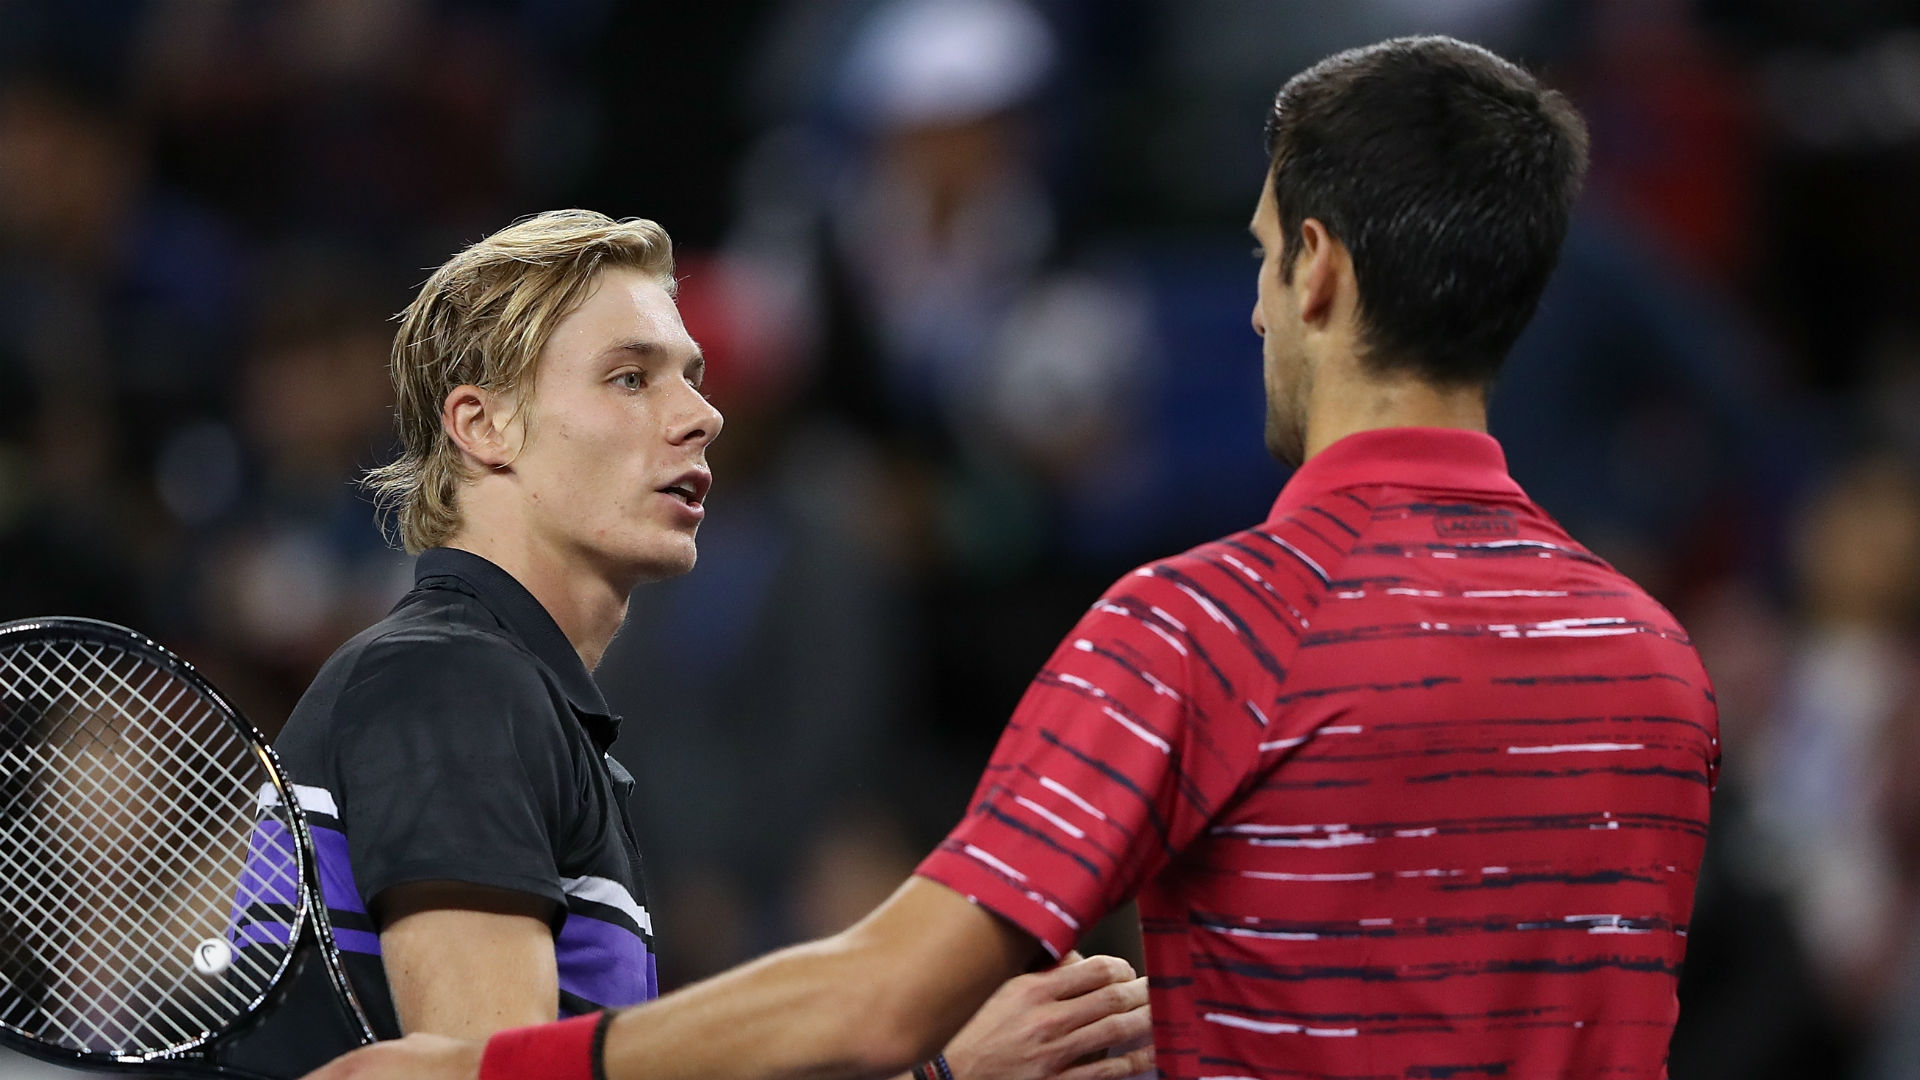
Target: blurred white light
1068,358
923,62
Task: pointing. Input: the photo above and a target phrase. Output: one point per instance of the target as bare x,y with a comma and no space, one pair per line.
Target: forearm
824,1009
866,1003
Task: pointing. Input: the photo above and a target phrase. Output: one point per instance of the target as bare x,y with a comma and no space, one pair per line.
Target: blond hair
482,320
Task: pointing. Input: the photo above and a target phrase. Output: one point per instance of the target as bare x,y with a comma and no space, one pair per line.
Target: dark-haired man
1407,783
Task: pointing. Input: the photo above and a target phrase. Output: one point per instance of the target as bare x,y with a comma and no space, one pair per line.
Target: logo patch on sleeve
1475,526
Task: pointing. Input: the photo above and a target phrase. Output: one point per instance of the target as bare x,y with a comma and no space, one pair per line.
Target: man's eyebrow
644,347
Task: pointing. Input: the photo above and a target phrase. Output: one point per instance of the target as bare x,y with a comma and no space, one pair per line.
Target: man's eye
629,380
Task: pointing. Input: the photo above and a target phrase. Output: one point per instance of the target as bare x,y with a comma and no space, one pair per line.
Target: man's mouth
690,487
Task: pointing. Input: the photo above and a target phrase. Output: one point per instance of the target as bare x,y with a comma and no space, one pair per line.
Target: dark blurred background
973,280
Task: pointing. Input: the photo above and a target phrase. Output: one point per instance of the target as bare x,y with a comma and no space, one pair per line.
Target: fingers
1074,979
1060,1024
1114,1031
1103,1001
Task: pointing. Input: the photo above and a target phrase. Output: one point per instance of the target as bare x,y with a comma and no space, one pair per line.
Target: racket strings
106,894
130,835
171,806
218,739
92,987
70,848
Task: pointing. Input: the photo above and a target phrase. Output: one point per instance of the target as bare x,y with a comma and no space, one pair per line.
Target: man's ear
1317,272
483,425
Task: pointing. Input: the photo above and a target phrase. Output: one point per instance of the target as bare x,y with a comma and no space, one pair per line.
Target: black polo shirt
459,739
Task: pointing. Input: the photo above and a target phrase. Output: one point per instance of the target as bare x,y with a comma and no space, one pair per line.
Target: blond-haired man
470,826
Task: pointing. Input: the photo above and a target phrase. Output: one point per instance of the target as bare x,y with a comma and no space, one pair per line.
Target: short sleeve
1123,748
453,766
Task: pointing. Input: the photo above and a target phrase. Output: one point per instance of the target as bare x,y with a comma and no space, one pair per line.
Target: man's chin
662,562
1285,442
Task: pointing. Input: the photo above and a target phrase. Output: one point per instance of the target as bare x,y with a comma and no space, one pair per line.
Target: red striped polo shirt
1406,781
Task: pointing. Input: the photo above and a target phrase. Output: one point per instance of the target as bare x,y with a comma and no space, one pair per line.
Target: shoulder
446,657
438,636
426,662
1274,570
1229,613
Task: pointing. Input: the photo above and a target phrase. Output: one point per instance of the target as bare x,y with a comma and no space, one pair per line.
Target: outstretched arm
868,1002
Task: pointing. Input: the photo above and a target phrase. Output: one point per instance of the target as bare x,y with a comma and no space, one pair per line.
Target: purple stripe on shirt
271,933
269,877
336,871
599,961
357,941
606,964
275,933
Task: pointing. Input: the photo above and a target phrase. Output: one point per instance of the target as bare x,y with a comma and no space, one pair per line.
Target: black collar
524,617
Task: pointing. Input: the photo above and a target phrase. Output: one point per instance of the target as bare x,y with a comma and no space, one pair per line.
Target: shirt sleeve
453,766
1123,748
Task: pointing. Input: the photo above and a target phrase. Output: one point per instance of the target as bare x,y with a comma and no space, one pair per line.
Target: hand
1059,1025
416,1057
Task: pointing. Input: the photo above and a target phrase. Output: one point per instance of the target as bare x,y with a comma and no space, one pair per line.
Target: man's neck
1363,403
587,605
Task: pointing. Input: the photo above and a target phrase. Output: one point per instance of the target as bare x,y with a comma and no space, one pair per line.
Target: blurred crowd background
972,278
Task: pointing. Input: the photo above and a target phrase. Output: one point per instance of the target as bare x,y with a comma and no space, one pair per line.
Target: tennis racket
158,888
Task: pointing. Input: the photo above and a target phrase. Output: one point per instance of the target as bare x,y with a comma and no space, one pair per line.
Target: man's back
1501,781
1429,780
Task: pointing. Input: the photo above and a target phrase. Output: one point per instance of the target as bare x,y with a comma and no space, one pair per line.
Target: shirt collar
524,617
1445,459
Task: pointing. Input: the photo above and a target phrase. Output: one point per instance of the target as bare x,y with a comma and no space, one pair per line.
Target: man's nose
701,421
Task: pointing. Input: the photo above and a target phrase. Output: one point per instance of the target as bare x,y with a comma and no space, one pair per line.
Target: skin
467,962
891,989
567,497
1319,390
566,491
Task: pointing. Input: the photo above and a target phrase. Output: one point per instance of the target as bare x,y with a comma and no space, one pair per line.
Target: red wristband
562,1051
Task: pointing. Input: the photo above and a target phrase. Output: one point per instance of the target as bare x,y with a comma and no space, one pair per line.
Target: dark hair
1449,174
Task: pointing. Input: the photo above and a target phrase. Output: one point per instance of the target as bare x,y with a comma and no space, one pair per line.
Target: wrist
934,1068
569,1050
